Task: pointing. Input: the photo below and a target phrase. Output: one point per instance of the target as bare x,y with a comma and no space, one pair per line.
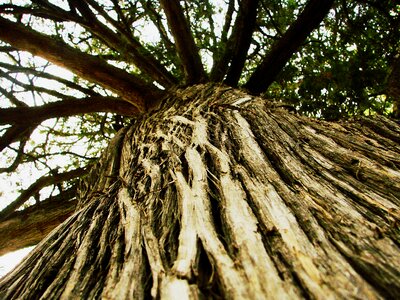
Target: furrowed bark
65,108
127,86
282,50
221,195
28,227
184,42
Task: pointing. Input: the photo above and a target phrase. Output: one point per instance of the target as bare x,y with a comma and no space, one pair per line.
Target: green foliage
342,69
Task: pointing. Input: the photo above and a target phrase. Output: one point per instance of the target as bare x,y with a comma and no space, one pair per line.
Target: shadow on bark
220,195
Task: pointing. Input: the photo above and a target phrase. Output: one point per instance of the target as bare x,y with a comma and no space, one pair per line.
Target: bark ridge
219,194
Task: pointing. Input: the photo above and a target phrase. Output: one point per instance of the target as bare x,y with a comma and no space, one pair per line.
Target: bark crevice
190,201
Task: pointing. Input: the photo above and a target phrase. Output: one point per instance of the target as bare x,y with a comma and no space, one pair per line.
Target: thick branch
28,227
129,47
122,41
65,108
241,39
224,51
282,50
185,45
16,133
128,86
37,186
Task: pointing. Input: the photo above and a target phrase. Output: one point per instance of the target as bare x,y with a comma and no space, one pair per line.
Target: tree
208,189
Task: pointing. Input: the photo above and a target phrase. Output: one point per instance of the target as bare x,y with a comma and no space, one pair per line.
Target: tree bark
28,227
394,86
219,195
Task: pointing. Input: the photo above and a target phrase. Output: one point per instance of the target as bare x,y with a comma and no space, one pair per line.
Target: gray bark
221,195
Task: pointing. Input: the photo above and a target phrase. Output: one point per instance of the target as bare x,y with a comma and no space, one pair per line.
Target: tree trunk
221,195
394,86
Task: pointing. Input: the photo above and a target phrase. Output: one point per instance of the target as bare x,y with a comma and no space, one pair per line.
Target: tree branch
28,227
185,45
14,100
241,38
221,57
283,49
7,49
37,186
157,20
42,74
128,86
122,41
65,108
20,154
32,88
271,19
16,133
129,47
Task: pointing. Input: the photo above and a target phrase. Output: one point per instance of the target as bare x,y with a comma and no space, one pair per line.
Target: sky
10,260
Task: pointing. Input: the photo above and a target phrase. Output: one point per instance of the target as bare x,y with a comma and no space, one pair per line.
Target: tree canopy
72,73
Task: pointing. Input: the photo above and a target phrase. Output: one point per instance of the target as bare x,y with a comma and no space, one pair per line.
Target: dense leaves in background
341,70
344,66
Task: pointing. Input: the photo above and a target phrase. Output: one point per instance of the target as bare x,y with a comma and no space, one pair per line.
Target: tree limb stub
185,45
283,49
129,87
37,186
65,108
28,227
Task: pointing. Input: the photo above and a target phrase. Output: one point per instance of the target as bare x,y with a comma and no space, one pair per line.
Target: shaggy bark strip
219,194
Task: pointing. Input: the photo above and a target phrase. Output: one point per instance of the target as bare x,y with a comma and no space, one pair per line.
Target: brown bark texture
219,194
394,86
28,227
